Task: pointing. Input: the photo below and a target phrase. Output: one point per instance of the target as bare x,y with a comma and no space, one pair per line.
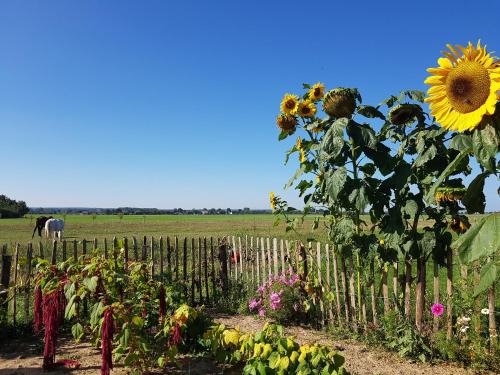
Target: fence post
268,243
136,251
336,281
200,277
94,248
5,281
343,278
161,255
205,265
385,289
275,257
263,259
54,252
29,258
184,266
152,256
64,254
106,248
212,256
176,243
169,258
420,293
492,325
318,260
125,252
436,293
223,263
449,293
240,258
372,291
407,288
328,281
16,266
75,250
144,249
353,294
193,271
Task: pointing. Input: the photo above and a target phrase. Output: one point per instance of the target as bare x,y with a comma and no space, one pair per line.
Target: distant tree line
10,208
151,211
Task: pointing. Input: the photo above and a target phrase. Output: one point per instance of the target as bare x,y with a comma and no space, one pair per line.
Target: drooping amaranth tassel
51,323
107,342
176,335
163,304
38,311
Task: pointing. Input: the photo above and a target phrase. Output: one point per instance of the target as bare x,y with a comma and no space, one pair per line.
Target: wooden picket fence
346,296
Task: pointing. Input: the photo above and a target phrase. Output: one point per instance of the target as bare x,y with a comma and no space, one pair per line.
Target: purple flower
262,312
276,300
261,289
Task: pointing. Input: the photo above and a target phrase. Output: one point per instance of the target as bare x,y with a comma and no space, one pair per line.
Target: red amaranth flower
107,342
38,311
176,337
51,323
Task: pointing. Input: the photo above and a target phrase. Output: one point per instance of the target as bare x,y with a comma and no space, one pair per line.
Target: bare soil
24,357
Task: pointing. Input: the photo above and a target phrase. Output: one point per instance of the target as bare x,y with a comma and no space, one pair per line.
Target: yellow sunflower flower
272,200
298,144
306,108
460,224
464,88
302,155
317,91
289,104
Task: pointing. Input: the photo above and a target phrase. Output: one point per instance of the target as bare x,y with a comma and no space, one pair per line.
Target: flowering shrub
280,299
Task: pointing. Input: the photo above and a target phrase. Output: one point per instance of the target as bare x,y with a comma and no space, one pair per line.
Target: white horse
54,228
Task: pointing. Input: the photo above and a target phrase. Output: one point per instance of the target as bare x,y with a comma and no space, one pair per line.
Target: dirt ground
22,357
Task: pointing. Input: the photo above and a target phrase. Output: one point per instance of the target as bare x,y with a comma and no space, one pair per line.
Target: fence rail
350,292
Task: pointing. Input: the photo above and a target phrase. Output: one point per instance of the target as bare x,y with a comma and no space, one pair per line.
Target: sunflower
319,177
286,122
464,87
404,114
339,102
447,194
289,104
460,224
306,108
317,91
272,200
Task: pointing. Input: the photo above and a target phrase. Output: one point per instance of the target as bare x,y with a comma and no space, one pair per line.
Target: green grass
106,226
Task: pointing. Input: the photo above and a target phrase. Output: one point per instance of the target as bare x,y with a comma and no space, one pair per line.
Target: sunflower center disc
290,104
468,86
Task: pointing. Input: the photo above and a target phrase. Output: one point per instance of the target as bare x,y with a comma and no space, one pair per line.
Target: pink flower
262,312
437,309
253,304
261,289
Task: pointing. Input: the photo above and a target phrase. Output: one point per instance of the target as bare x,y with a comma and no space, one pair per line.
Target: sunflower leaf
481,239
370,112
485,146
474,199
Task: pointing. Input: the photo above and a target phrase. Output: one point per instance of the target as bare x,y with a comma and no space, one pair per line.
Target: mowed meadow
89,227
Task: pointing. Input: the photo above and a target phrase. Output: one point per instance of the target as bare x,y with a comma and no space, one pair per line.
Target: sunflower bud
339,103
286,122
404,114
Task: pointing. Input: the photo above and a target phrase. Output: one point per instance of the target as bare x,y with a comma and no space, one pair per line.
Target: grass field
85,226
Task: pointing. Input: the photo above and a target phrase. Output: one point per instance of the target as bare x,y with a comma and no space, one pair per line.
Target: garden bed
25,356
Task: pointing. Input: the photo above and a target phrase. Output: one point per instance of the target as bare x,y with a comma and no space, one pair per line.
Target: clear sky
172,104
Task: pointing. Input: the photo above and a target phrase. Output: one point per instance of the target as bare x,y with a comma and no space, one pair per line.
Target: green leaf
370,112
77,331
362,134
481,239
474,199
461,141
274,360
430,196
428,154
70,309
297,174
91,283
488,277
359,198
138,321
336,182
485,147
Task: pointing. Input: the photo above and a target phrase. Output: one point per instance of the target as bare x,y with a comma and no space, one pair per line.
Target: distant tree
10,208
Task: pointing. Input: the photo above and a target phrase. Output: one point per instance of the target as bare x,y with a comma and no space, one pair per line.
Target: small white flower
463,320
464,329
485,311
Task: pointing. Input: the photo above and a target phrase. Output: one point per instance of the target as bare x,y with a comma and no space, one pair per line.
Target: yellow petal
445,63
434,80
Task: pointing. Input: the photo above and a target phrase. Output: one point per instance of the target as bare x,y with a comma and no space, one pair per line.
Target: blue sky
172,104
